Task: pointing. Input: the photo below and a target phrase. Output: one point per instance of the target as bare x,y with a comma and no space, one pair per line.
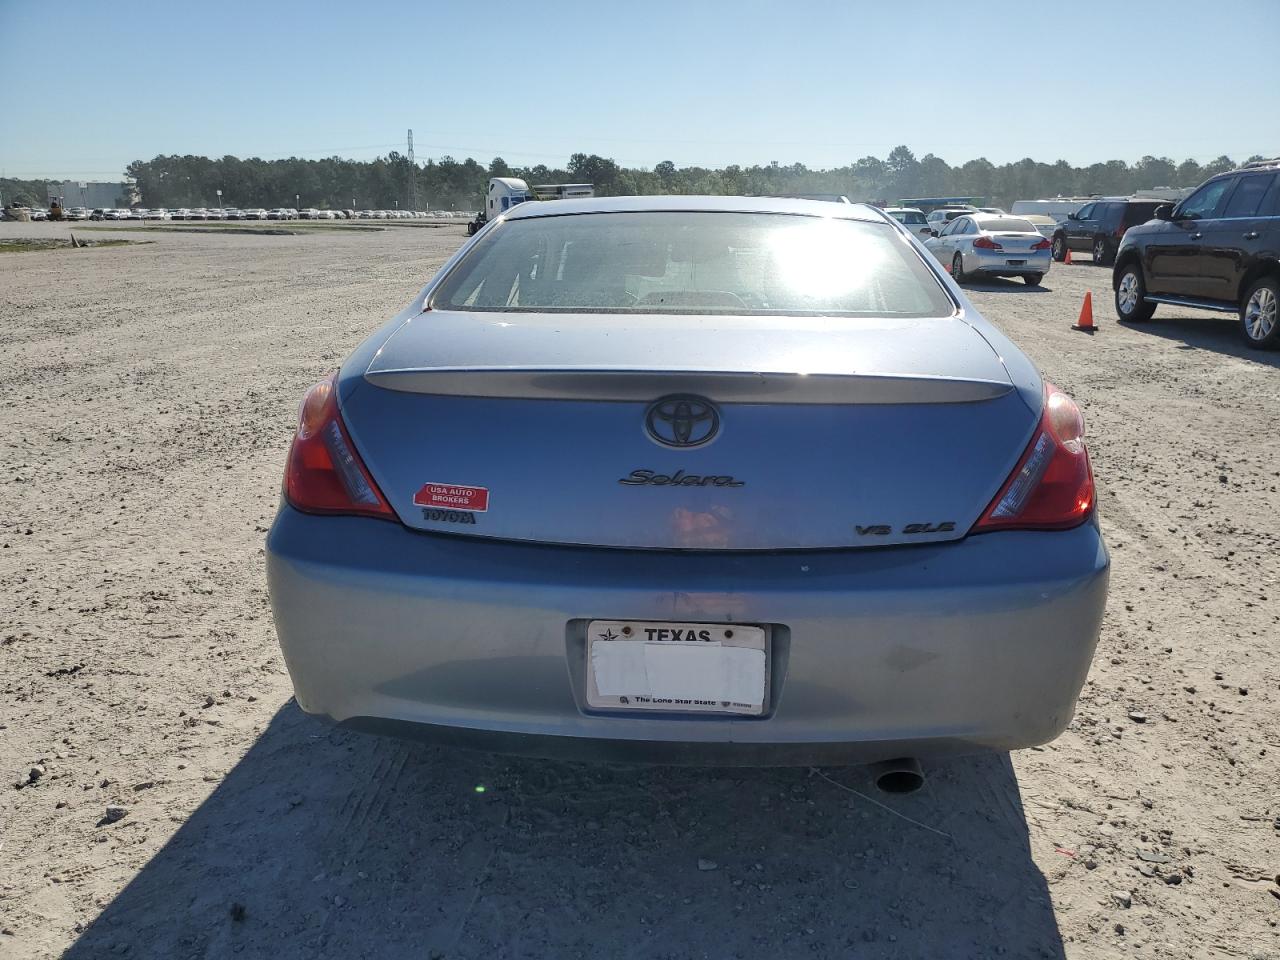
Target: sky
86,87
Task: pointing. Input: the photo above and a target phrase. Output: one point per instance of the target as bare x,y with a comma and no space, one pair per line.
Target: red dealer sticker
453,497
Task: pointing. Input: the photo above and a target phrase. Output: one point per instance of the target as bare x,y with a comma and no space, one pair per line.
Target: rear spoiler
629,385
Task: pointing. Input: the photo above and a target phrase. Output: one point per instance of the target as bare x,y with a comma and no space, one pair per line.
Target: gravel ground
175,803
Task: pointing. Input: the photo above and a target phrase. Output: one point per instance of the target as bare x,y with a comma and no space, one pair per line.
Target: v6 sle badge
908,530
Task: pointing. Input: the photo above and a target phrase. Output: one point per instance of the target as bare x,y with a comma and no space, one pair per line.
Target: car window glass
914,218
1246,199
1009,224
694,263
1270,206
947,230
1203,204
1086,211
1141,212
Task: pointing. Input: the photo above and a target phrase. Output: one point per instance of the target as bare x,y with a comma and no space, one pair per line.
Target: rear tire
957,269
1102,255
1130,291
1260,315
1059,247
1033,279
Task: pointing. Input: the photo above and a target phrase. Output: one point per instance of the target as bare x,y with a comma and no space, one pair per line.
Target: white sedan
988,245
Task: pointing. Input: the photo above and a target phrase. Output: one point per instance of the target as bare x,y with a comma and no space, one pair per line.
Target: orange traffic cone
1086,324
1067,258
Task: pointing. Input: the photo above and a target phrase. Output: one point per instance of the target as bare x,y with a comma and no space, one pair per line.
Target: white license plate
677,666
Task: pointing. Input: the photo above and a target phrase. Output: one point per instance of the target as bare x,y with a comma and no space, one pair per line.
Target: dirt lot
148,396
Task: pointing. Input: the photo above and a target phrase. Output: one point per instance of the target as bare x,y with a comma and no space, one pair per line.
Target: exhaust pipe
898,776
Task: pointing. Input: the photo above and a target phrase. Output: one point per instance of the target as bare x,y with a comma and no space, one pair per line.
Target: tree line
446,183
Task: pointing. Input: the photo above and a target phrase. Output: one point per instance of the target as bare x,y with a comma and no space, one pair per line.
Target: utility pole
413,177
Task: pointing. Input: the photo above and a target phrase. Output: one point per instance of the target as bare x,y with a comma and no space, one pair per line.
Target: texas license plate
675,666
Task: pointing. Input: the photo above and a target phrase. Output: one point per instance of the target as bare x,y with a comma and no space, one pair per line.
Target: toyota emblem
682,421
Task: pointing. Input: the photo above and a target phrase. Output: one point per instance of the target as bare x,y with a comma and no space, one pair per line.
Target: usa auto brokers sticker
451,502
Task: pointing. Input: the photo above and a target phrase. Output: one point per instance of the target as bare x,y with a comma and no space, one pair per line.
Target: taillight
1042,245
986,243
1051,488
324,473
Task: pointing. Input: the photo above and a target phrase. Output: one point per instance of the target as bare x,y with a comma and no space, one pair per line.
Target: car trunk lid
1016,242
830,432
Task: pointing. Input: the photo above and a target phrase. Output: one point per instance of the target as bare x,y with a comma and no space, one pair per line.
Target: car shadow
321,842
1003,285
1217,332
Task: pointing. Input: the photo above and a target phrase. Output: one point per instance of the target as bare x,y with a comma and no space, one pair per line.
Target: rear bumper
923,650
998,265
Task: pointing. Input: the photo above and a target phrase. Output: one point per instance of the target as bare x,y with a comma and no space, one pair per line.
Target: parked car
77,213
983,244
279,213
1098,227
137,213
911,218
215,213
996,210
639,587
939,218
160,213
253,213
39,213
310,213
1047,226
1219,249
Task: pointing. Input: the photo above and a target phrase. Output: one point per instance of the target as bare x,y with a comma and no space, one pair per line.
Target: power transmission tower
413,177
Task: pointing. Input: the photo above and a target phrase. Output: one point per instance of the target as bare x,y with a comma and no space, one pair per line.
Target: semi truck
505,192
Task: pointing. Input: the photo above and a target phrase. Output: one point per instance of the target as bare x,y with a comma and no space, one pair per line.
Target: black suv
1099,226
1219,249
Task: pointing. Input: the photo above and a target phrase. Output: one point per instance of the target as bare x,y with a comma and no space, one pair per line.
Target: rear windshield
1007,225
694,262
908,216
1142,212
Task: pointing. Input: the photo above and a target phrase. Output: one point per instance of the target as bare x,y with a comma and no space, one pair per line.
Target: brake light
324,473
986,243
1041,245
1051,488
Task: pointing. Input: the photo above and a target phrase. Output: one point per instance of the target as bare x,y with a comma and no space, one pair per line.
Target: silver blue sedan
693,479
992,245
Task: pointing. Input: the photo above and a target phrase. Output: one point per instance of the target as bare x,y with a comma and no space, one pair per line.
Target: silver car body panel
899,652
944,348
